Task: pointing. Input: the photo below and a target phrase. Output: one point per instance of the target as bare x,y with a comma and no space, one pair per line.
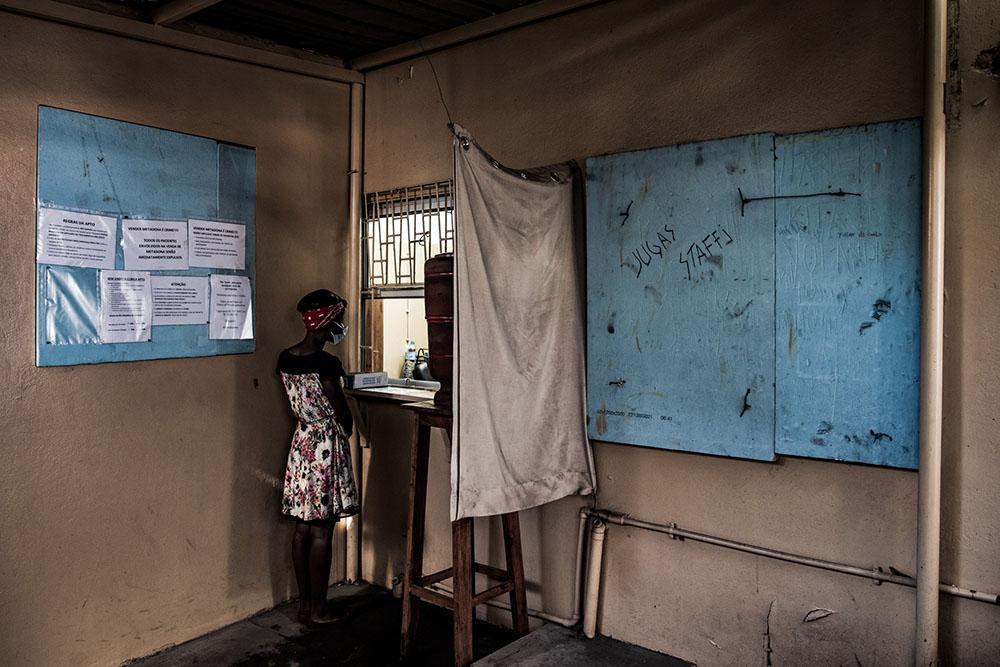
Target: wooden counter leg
464,580
515,568
413,568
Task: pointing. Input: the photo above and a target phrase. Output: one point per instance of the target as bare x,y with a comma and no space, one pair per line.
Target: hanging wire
436,81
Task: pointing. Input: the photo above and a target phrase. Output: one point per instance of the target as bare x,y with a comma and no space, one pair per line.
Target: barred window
402,228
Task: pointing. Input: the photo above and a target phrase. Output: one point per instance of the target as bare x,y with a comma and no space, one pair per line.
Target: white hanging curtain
519,432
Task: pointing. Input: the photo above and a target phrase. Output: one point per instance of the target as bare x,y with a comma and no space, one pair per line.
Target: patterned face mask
338,332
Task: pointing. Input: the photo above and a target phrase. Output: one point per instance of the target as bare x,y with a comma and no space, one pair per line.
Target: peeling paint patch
816,614
988,62
654,294
602,421
880,308
953,94
739,311
879,436
767,635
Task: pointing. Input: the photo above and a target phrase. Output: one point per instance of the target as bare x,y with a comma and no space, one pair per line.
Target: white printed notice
180,300
76,239
217,245
155,245
126,306
231,312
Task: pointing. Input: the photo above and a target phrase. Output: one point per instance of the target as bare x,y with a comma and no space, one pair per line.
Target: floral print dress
319,477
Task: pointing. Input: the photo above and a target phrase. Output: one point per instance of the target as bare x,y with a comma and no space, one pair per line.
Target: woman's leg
300,559
320,555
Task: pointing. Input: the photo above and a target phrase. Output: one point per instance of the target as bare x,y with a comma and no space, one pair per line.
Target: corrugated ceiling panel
347,28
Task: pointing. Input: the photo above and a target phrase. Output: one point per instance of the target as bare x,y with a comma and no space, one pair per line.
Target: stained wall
634,74
139,502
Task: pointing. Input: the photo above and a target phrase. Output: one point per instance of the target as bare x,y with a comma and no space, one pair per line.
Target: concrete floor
556,646
370,636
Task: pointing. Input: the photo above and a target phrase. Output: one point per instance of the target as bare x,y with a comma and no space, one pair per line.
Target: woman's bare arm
342,412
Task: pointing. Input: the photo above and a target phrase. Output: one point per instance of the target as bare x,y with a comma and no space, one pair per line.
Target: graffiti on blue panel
848,294
681,298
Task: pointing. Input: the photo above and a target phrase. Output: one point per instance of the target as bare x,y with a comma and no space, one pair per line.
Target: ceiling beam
172,12
184,41
515,18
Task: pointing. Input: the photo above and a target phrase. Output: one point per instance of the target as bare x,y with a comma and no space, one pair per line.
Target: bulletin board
145,242
681,298
759,295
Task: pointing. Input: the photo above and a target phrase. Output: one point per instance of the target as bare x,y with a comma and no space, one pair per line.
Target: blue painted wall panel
99,165
681,298
848,299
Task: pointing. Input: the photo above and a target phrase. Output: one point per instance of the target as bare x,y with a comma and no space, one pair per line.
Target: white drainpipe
593,578
932,338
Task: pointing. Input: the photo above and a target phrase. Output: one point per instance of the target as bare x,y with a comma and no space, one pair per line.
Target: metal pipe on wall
352,543
593,578
931,337
875,574
680,533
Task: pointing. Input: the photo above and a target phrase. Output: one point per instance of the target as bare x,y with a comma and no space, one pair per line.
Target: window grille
402,229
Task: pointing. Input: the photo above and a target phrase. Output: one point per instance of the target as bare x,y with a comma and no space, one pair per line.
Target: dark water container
439,300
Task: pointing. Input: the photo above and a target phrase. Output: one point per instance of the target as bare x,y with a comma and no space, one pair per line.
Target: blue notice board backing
848,294
758,295
681,298
96,165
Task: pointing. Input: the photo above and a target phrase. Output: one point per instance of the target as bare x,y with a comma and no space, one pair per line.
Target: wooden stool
464,566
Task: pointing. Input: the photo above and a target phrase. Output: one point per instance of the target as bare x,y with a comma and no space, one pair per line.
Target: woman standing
319,479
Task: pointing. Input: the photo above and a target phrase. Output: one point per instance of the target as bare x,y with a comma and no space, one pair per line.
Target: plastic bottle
409,360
